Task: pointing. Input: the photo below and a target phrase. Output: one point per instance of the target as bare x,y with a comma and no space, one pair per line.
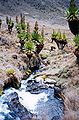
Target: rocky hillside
50,10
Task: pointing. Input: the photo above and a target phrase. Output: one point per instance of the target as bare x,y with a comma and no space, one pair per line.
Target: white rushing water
41,104
30,101
27,99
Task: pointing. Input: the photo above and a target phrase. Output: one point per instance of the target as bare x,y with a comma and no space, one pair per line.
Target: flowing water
33,96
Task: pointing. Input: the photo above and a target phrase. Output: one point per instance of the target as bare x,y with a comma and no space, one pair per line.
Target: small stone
52,48
44,54
14,56
1,89
49,81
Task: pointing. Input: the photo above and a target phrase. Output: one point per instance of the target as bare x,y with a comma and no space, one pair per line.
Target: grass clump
1,91
10,71
29,46
54,34
28,72
20,27
22,35
76,40
58,35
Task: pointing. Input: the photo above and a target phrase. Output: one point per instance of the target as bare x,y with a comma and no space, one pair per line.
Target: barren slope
50,10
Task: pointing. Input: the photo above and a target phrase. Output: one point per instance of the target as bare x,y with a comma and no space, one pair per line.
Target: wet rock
29,81
35,87
39,78
1,89
55,118
49,81
17,111
57,91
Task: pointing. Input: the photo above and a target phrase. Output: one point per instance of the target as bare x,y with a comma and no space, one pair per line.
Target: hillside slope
51,10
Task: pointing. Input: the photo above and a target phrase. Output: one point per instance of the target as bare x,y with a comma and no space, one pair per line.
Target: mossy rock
28,72
1,90
1,70
44,77
10,71
44,55
12,82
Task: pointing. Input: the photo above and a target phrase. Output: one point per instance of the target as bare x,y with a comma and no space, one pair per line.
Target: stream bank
34,100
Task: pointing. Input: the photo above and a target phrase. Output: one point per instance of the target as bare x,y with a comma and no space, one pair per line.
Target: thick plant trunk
77,55
78,60
74,26
60,43
39,47
29,55
54,39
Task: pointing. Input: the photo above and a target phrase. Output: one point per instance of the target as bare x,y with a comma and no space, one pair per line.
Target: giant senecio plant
72,17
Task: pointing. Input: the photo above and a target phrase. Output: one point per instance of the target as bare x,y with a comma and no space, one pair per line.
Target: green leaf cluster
10,71
72,11
10,23
22,35
29,46
30,39
54,34
20,27
37,38
76,40
58,35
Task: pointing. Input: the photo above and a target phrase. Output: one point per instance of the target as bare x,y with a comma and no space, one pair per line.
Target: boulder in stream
17,111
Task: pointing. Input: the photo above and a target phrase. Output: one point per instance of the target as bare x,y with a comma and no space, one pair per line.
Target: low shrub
76,40
29,46
10,71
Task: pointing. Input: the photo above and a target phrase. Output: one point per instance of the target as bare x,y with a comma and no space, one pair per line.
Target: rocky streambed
34,100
